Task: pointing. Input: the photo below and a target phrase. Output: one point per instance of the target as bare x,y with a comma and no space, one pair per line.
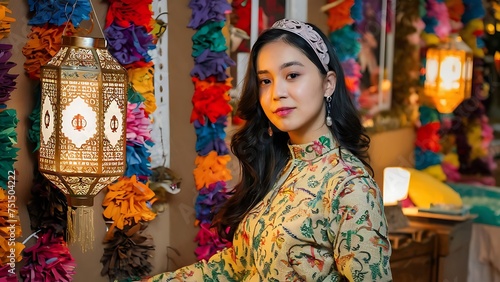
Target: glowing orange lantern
82,128
448,74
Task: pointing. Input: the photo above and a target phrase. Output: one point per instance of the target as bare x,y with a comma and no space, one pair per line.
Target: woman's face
292,91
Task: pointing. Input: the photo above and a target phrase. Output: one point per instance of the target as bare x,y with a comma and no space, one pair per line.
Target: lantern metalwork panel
83,119
448,75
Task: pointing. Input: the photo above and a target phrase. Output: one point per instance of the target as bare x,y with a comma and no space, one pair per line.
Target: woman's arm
361,245
222,266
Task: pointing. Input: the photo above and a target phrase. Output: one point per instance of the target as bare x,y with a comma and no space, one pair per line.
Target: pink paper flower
138,124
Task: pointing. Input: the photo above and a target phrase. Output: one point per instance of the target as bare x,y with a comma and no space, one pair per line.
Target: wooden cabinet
431,249
413,255
453,246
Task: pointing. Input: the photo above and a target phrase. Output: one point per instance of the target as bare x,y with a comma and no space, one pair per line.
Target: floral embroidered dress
322,221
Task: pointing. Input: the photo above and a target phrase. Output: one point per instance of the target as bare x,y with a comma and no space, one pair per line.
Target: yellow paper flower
430,39
475,139
141,80
452,159
468,34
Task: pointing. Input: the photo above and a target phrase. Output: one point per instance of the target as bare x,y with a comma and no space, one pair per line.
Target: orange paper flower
340,15
5,21
455,9
43,43
210,169
127,202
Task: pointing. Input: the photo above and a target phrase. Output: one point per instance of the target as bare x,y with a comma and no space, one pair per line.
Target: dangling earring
329,121
270,130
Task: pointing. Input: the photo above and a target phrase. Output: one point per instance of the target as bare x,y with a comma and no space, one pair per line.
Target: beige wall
174,227
392,148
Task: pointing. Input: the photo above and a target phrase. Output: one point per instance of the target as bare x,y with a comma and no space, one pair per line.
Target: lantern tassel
70,230
84,228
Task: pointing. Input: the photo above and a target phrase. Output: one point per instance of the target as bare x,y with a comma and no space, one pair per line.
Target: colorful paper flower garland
128,202
10,225
209,115
345,38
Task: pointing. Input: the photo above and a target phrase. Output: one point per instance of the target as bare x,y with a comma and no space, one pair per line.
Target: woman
306,208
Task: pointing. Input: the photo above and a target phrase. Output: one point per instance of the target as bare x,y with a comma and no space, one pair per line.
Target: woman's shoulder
347,169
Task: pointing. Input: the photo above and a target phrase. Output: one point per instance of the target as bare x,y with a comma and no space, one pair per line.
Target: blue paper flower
425,159
210,137
137,161
357,11
8,138
58,12
428,115
474,9
209,36
346,42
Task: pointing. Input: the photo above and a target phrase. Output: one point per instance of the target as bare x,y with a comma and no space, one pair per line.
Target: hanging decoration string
209,116
128,202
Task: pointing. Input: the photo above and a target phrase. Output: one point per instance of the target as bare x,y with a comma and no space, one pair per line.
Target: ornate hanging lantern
448,74
82,124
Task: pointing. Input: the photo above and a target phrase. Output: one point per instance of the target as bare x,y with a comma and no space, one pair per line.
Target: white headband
309,35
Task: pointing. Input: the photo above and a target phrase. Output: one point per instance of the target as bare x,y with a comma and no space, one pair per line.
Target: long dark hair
263,157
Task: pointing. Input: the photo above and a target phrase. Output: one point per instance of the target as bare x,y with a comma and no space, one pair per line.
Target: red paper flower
124,12
208,242
455,9
48,260
428,137
210,100
6,274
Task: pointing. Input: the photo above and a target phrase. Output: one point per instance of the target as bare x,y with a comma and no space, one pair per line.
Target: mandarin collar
314,149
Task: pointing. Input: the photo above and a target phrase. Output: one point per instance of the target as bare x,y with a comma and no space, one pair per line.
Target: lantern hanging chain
97,19
71,14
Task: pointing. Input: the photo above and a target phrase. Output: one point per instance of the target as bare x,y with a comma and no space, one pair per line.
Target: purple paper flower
129,44
7,81
209,200
205,10
211,63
